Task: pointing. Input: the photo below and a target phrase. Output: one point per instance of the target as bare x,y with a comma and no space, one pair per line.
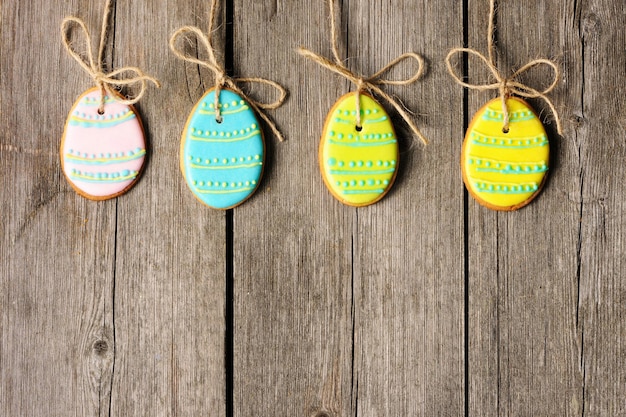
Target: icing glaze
358,166
102,155
222,162
505,171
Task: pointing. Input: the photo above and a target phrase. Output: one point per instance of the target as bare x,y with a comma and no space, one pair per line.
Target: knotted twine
105,81
221,78
371,83
507,86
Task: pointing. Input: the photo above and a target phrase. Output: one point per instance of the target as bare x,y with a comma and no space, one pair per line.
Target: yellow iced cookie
358,165
505,171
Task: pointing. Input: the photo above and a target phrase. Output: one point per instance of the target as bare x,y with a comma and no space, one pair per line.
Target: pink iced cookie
102,155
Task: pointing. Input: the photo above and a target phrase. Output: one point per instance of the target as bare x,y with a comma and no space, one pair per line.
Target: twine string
105,81
222,80
368,84
507,86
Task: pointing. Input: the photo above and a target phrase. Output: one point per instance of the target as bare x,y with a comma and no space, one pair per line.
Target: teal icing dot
353,183
351,164
378,182
345,184
369,164
377,136
379,163
350,136
470,161
368,111
527,169
346,113
340,164
487,164
340,135
332,161
331,133
338,183
527,188
125,173
361,183
386,164
371,182
393,162
491,188
386,182
360,163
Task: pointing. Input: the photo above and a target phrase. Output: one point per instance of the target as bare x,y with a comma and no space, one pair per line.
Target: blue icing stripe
104,121
223,162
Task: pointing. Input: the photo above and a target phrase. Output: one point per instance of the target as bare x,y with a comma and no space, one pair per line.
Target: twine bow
371,83
106,81
222,79
507,86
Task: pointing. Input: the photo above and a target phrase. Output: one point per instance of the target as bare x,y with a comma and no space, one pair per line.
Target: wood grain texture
408,249
294,305
292,241
531,286
170,266
58,249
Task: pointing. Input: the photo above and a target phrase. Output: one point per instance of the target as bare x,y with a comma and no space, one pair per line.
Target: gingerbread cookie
222,160
505,170
359,165
102,152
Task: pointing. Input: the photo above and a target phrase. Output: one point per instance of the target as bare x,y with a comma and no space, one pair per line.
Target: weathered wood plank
599,138
408,249
339,309
293,241
58,249
523,337
170,265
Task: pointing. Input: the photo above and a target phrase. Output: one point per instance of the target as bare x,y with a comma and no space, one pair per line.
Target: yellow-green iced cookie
505,171
359,165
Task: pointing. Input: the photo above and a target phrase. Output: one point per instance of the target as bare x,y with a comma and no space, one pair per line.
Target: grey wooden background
424,304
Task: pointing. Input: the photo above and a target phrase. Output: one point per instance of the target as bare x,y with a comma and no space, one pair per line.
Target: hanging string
105,81
221,78
368,83
507,86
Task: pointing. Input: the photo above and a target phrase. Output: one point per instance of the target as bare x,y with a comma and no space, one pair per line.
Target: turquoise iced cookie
222,162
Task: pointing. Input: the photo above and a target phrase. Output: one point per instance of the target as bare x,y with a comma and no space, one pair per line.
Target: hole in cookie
219,120
100,112
358,128
505,130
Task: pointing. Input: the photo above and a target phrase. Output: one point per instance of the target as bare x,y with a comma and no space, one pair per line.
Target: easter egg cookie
358,163
222,159
505,170
102,152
